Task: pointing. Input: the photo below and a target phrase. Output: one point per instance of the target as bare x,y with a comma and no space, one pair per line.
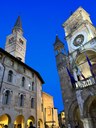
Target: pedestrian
6,126
19,126
31,125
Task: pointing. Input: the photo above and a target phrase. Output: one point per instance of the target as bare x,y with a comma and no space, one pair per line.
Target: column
90,31
75,75
69,126
26,125
11,125
53,116
1,97
45,117
23,125
87,123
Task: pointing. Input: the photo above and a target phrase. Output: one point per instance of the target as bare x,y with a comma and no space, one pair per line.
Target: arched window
32,102
32,86
10,76
23,81
42,107
1,56
32,74
21,100
6,97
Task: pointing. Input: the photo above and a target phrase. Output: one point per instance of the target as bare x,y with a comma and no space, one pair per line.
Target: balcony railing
85,83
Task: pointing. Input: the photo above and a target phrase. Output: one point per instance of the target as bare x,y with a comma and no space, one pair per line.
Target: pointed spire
57,40
58,43
18,24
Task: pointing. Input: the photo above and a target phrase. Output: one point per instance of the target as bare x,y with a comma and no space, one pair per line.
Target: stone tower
79,102
79,31
62,62
15,42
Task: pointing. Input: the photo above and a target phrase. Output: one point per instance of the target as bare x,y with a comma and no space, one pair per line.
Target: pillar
87,123
11,125
26,125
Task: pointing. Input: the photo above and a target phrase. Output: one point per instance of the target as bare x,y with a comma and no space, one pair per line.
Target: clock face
78,40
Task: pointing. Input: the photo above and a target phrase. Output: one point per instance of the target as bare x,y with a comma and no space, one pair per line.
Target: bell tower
62,62
15,42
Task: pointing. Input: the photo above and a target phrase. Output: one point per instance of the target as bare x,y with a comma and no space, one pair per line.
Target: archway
30,119
77,119
40,123
4,120
92,112
82,63
74,115
19,122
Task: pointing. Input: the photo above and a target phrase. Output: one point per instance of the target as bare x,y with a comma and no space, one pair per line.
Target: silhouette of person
19,126
31,125
6,126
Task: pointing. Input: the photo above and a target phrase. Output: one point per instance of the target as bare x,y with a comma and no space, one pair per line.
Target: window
6,97
39,123
10,76
41,107
19,58
21,100
21,41
32,102
11,40
1,56
24,69
32,86
32,74
12,63
23,81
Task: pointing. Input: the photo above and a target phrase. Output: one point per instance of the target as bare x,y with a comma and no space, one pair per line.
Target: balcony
85,83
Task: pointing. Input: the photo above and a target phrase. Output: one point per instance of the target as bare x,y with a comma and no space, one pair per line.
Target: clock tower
62,61
80,101
80,35
15,42
79,29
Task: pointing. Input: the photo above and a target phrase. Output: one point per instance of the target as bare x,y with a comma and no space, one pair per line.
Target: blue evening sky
42,20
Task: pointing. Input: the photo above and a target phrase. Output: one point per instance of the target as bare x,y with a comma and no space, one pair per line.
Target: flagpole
73,81
90,65
79,98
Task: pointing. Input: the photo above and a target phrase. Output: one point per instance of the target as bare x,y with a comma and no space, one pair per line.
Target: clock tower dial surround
78,30
78,40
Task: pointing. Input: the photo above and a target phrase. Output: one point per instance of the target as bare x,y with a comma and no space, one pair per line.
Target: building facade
20,85
50,113
77,70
